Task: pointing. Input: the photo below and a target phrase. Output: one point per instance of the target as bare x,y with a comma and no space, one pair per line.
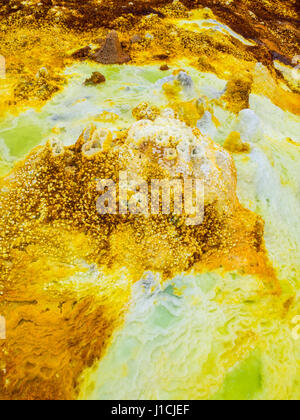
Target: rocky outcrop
95,79
111,52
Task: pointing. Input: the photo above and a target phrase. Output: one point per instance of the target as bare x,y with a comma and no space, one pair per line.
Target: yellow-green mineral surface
150,199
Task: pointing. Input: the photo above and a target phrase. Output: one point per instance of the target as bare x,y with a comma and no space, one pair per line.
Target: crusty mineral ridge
111,52
66,271
182,151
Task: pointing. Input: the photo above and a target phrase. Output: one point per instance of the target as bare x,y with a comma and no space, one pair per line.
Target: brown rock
164,67
95,79
145,111
82,53
111,52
